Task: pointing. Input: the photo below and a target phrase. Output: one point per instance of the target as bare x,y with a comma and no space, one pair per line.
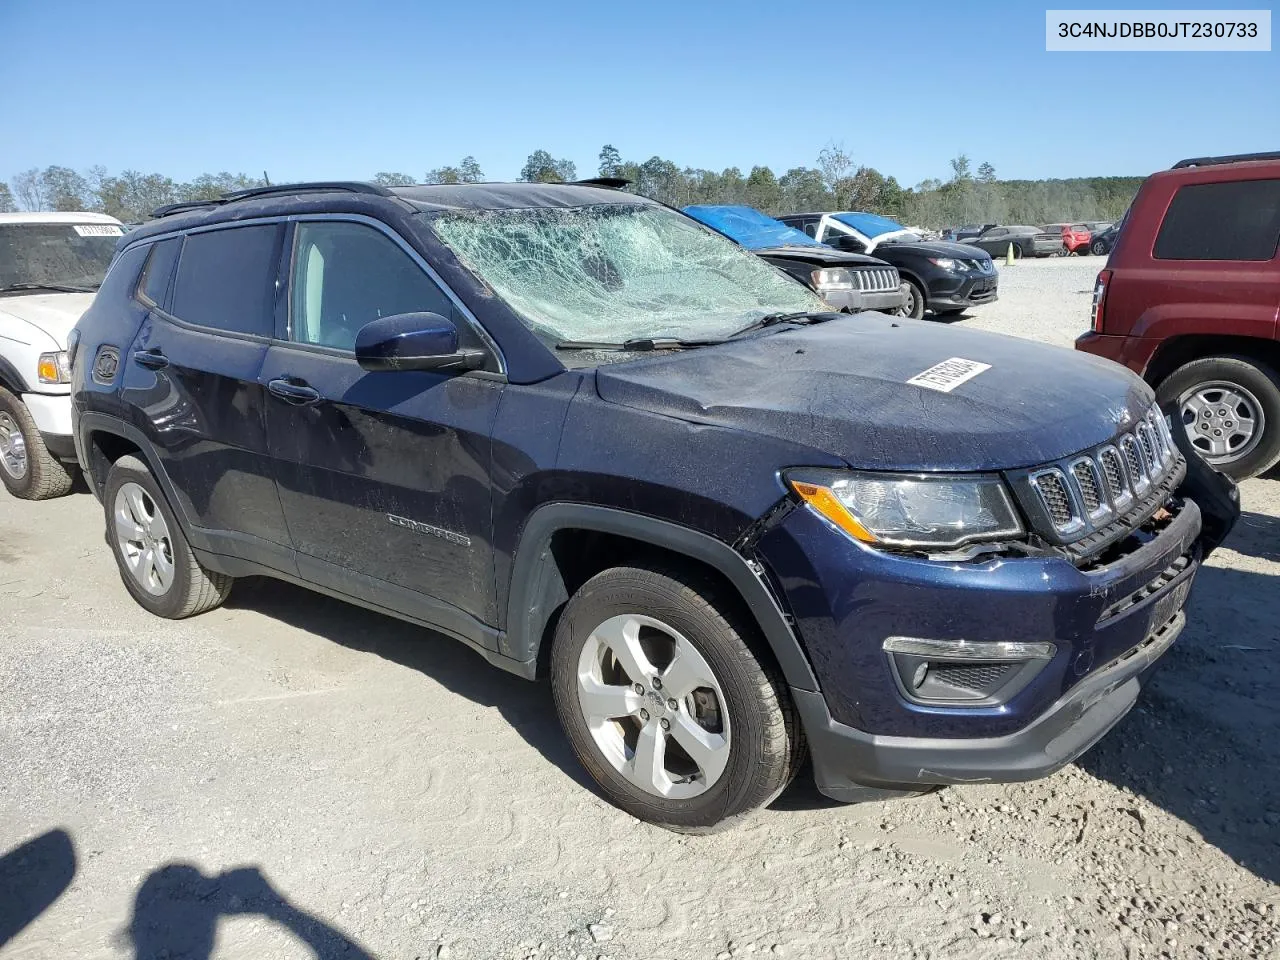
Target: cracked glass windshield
56,254
615,272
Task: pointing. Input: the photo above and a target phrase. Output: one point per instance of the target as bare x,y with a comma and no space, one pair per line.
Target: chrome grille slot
1051,485
1112,468
1089,483
1134,463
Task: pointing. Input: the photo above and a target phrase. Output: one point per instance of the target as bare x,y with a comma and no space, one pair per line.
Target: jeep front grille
875,279
1092,498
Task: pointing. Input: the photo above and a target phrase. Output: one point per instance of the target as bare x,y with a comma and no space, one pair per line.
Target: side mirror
413,341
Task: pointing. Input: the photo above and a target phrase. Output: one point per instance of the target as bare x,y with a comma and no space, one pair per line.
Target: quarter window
154,283
226,279
1222,221
347,274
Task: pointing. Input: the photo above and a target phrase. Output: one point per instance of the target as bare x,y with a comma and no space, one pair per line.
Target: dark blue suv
597,441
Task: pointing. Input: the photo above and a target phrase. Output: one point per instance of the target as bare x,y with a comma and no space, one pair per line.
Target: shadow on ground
1204,741
526,706
32,877
177,909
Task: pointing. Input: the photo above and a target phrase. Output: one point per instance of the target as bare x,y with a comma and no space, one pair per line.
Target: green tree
388,179
64,189
132,196
610,161
986,173
29,188
7,204
541,167
443,175
804,188
469,170
763,191
960,172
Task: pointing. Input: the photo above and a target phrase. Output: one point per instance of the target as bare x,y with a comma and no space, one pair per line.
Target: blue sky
309,90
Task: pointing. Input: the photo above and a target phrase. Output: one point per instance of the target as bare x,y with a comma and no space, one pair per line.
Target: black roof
511,196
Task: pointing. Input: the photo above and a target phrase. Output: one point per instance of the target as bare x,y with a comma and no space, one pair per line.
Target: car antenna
266,181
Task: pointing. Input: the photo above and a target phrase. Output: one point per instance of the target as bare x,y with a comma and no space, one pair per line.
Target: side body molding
536,588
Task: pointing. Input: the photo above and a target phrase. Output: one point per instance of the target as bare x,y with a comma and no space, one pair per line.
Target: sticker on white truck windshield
97,230
949,374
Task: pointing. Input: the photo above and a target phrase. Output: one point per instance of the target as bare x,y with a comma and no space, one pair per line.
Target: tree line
835,182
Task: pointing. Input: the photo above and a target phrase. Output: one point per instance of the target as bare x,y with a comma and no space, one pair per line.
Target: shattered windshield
615,272
56,254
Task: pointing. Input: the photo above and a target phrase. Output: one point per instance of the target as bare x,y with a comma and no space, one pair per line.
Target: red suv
1190,300
1076,237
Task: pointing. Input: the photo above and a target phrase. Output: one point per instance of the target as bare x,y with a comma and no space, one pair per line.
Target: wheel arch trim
535,586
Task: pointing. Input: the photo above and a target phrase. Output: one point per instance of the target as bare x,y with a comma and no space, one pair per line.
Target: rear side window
226,279
1222,221
159,270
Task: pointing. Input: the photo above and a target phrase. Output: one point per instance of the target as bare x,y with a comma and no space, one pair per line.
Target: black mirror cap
413,341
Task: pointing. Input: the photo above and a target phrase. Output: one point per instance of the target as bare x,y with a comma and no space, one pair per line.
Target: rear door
384,477
191,382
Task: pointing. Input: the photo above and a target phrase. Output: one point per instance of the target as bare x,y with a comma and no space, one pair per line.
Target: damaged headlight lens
910,510
832,280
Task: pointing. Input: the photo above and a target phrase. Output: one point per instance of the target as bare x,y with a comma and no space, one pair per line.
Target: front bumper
858,301
52,414
954,292
847,599
850,765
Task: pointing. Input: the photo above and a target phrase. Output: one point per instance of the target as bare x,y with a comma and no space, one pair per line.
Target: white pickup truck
50,266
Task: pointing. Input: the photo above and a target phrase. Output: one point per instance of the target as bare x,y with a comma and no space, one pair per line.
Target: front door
384,477
192,375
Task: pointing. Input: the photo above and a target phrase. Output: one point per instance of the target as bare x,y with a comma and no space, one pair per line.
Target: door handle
290,392
152,359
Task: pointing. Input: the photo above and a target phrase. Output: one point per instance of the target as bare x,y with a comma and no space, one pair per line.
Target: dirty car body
959,553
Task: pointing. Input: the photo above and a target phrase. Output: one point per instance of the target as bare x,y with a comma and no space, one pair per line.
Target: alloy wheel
143,538
13,447
654,707
1223,420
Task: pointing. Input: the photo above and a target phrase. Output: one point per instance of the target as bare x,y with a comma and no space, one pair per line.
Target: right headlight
927,511
831,279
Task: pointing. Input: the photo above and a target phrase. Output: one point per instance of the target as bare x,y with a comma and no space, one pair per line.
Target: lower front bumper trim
852,766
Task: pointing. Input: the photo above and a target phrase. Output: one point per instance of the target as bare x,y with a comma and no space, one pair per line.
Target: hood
931,248
841,387
827,256
53,313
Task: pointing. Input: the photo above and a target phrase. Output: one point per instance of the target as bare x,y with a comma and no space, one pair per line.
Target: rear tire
1226,401
155,560
624,631
1098,248
27,468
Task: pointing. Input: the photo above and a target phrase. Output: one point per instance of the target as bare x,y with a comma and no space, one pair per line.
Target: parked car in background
848,281
1023,240
733,526
967,232
1189,300
1096,227
1075,237
1104,240
50,266
947,278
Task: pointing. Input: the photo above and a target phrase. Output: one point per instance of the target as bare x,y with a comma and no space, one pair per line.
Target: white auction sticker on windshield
949,374
97,230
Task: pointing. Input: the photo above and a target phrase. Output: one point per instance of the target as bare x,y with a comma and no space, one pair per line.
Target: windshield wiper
773,319
638,344
55,287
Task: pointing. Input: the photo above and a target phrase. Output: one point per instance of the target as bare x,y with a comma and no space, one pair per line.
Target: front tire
665,702
27,468
156,562
1229,407
914,304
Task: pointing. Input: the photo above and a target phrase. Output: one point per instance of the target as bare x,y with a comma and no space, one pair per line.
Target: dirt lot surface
290,776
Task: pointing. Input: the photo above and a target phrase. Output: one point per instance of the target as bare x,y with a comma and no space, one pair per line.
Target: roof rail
279,189
613,183
1233,158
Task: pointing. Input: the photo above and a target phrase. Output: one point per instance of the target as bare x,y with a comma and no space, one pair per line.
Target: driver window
347,274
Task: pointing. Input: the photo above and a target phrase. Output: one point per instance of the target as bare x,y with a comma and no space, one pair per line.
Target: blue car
596,442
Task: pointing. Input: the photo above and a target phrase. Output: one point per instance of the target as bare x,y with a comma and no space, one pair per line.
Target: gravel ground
290,776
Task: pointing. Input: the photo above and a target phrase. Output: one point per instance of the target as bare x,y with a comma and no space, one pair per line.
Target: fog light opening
964,673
